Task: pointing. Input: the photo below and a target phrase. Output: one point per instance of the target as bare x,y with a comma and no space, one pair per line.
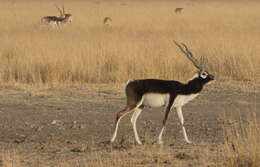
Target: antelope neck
192,87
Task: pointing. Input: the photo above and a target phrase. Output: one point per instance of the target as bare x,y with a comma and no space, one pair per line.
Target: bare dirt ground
70,126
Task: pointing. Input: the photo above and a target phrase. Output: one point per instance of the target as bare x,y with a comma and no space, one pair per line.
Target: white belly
181,100
155,99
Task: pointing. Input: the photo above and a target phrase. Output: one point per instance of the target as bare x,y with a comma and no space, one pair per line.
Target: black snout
211,77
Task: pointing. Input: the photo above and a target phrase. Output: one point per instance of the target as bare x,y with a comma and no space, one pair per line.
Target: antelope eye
204,74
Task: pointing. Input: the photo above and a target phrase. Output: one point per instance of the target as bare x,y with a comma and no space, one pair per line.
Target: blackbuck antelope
157,93
57,20
107,21
178,10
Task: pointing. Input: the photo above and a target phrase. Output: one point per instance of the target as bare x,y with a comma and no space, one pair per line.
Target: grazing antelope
107,21
157,93
178,10
52,19
63,18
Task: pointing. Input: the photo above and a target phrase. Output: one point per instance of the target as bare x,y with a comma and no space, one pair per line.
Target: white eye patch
204,75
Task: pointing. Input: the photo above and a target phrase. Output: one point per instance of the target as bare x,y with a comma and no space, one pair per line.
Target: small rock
61,128
55,122
166,162
71,142
41,147
39,128
183,156
130,154
104,143
78,149
82,126
42,96
74,126
32,126
56,151
20,139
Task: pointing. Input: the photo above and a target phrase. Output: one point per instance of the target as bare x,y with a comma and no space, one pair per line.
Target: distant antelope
157,93
63,18
107,21
178,10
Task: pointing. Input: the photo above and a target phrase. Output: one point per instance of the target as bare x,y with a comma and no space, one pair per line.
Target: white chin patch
203,76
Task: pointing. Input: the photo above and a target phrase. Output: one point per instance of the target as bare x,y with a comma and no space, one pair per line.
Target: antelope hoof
188,141
160,142
139,142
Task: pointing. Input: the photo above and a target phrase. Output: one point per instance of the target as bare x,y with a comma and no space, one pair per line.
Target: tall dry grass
9,158
242,148
137,44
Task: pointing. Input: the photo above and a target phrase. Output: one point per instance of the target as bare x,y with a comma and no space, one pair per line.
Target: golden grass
242,146
136,45
9,158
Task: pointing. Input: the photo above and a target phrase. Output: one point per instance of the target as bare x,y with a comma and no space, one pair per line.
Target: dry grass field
137,44
61,86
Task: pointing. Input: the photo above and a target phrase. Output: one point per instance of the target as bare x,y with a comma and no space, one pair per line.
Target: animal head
68,17
63,13
107,20
205,76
